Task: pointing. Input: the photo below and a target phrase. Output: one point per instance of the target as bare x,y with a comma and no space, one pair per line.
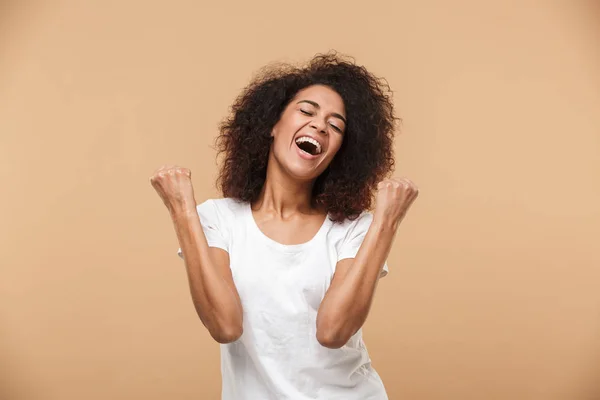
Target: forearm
346,305
215,299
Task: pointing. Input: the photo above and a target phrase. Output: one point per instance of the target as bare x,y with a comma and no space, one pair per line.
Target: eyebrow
316,105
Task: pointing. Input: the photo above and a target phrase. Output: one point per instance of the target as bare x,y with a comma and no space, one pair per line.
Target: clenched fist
394,198
174,186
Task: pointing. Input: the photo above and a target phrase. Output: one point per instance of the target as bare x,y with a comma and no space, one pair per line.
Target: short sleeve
355,237
213,225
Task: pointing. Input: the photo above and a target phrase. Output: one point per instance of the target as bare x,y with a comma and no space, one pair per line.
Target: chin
302,173
299,169
304,176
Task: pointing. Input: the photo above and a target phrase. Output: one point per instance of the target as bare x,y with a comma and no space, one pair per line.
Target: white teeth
310,140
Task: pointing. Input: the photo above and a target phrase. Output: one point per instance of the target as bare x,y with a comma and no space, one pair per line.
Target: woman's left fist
394,198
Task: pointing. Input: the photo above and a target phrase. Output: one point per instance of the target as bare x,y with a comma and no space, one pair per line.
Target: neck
283,196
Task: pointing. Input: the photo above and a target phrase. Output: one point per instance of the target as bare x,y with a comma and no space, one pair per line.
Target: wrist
184,211
384,225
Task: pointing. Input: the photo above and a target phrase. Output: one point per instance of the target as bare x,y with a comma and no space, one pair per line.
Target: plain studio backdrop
494,284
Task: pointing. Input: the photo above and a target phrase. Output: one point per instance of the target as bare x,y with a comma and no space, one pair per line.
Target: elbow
332,339
335,329
228,334
223,327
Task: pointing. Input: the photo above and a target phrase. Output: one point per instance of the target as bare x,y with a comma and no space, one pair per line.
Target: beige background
494,290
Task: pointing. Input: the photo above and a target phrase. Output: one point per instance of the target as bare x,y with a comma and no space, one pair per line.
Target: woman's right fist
174,186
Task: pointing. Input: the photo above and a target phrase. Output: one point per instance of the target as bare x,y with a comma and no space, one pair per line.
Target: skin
284,211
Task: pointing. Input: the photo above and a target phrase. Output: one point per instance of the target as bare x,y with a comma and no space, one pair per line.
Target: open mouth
309,145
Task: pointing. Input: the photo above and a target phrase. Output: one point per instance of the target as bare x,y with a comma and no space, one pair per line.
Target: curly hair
345,189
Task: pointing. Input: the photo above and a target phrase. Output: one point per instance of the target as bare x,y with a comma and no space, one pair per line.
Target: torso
282,271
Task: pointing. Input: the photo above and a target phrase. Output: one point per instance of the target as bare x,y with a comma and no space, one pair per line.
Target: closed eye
305,112
337,128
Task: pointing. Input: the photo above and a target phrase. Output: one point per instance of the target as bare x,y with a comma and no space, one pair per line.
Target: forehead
326,97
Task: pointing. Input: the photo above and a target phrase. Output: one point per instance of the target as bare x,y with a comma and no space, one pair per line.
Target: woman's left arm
346,304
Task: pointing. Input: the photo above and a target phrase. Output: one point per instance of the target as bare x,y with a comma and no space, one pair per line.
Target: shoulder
350,234
223,208
351,229
361,222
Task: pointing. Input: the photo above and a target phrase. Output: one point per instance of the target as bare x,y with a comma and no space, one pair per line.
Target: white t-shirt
281,287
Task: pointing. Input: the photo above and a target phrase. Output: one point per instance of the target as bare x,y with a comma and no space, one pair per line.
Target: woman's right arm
213,291
215,297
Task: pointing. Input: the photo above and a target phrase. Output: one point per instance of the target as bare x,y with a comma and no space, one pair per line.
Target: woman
283,269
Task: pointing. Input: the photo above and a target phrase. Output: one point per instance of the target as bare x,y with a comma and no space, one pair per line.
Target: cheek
284,128
334,145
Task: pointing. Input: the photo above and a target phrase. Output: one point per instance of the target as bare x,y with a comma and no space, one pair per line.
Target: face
310,132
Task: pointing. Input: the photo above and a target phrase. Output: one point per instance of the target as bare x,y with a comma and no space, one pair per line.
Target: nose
319,125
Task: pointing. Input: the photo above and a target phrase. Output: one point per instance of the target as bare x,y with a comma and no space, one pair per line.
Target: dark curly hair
346,187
